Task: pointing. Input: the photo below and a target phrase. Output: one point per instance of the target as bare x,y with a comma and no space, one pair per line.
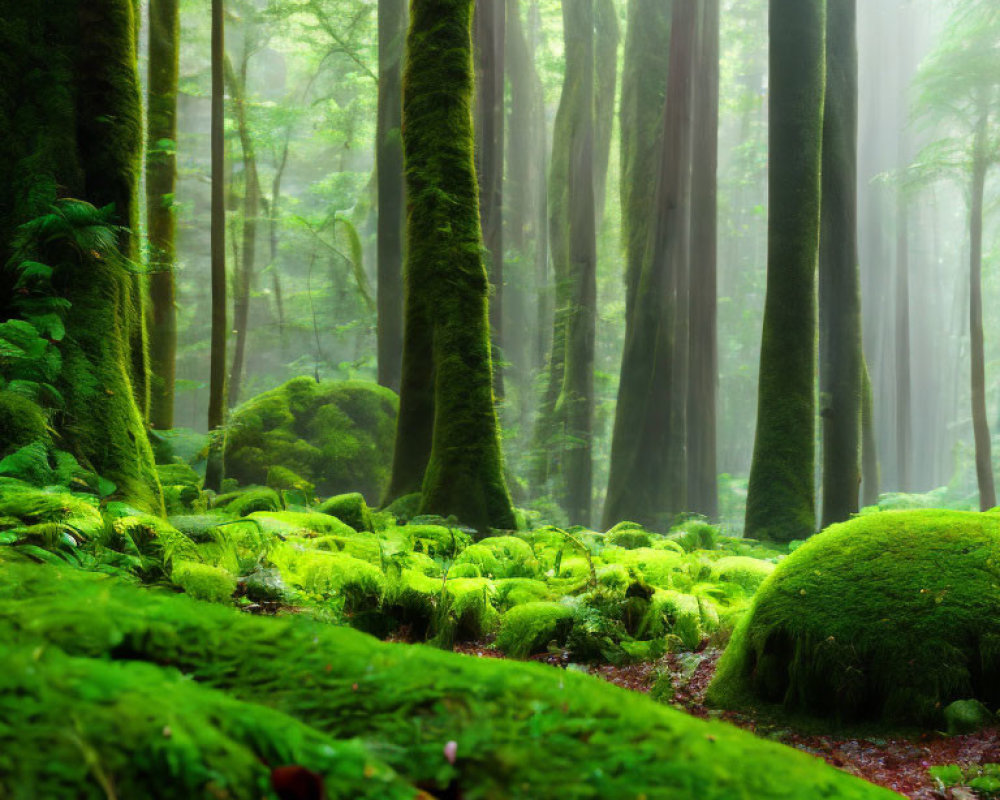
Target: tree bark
161,179
703,377
870,478
217,368
251,209
641,485
980,427
392,16
781,491
839,280
445,269
71,127
490,34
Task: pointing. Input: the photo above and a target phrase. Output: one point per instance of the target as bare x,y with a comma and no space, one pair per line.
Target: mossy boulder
337,436
350,508
203,581
529,628
519,730
890,616
21,423
967,716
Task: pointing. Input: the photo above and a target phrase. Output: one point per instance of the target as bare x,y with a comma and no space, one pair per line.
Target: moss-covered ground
141,686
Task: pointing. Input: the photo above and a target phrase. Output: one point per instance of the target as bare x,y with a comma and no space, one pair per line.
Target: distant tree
161,180
489,43
644,485
839,279
392,16
447,322
703,364
959,87
217,370
781,493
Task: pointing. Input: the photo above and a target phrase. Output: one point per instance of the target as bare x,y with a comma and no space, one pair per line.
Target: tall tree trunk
251,210
980,427
904,426
870,478
490,33
445,269
606,37
703,376
217,369
839,281
576,397
161,179
392,16
71,127
781,493
640,486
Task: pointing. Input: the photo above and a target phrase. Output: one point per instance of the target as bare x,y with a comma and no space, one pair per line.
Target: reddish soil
899,764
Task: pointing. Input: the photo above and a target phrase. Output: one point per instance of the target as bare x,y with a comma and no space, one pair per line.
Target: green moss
283,479
518,591
203,581
349,508
889,616
334,435
21,423
748,573
30,506
406,507
439,541
300,523
967,716
629,538
517,727
528,629
77,727
466,611
676,613
246,501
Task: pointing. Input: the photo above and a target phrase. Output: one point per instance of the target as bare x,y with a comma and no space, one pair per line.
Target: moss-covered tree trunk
391,193
217,368
71,126
980,427
839,278
781,492
642,483
489,38
870,478
446,282
703,362
606,40
161,179
251,204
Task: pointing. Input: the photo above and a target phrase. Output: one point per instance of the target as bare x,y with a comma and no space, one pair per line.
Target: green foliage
334,435
889,616
982,779
529,628
204,581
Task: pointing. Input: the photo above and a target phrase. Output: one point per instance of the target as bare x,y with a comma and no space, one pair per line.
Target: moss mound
457,725
889,616
350,508
21,423
337,436
527,629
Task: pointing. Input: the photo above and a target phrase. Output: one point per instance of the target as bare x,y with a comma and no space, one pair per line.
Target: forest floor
899,762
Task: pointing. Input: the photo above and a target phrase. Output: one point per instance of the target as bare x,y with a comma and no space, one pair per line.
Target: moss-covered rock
300,523
203,581
337,436
748,573
967,716
21,423
246,501
350,508
891,616
527,629
519,730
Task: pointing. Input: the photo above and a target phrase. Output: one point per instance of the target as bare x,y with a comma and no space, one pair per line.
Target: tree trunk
161,179
640,486
490,33
391,192
251,209
839,280
445,269
606,36
904,426
980,427
217,369
870,478
781,492
703,377
71,127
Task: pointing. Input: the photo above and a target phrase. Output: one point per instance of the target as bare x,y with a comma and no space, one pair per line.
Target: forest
481,399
